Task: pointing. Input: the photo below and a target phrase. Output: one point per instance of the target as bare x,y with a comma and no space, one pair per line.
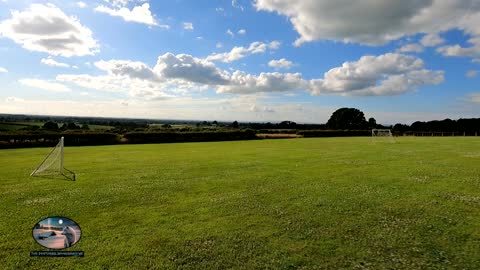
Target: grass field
271,204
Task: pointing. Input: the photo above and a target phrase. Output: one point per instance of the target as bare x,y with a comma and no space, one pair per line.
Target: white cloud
240,52
14,99
3,70
219,45
431,40
388,74
45,85
243,83
45,28
53,63
377,22
172,75
242,32
281,63
189,68
188,26
413,47
476,60
138,14
230,33
235,4
131,69
457,50
472,73
81,4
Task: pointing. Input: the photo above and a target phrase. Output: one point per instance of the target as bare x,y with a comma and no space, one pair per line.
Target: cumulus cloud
376,22
230,33
51,62
81,4
238,53
243,83
431,40
242,32
388,74
172,75
188,26
131,69
413,47
281,63
44,85
45,28
187,67
138,14
3,70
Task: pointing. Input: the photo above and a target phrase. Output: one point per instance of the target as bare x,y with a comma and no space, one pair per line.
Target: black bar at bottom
56,254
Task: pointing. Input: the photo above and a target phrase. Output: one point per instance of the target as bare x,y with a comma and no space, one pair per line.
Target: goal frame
61,170
375,131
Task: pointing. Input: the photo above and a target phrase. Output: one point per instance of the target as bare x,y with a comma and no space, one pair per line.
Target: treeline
193,136
17,140
447,125
334,133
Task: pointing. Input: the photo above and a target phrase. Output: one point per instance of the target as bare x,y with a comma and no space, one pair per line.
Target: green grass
273,204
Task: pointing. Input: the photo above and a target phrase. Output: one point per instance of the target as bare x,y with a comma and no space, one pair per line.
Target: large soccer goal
382,135
52,165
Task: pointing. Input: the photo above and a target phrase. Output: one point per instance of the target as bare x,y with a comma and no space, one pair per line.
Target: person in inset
69,235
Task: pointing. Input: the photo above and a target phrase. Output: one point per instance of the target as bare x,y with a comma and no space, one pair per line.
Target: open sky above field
260,60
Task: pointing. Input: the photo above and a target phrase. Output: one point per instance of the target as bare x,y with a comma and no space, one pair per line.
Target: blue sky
261,60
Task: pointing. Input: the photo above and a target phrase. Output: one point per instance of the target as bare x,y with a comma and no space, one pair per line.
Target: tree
235,124
287,125
85,127
50,126
72,126
372,123
347,118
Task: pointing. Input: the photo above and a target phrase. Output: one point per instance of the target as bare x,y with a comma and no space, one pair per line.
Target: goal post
53,164
382,135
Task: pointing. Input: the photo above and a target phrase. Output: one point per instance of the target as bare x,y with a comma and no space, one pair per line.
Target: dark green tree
235,124
72,126
50,126
372,123
347,118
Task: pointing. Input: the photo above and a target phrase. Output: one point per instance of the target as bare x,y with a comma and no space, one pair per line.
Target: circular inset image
57,232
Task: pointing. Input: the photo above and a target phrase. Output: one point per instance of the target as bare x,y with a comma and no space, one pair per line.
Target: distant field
18,125
272,204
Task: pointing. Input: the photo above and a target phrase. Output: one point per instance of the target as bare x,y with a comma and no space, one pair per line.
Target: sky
244,60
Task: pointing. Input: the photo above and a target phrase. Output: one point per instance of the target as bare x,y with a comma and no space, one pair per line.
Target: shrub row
204,136
334,133
15,140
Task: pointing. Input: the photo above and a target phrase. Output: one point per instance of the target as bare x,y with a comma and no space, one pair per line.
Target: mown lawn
271,204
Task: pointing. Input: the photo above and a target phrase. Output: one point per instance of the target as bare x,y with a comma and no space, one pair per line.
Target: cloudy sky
246,60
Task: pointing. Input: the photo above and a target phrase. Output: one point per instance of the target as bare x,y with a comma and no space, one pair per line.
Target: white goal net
53,164
382,135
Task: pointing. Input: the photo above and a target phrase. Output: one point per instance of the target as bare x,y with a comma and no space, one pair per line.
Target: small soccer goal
382,135
52,165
